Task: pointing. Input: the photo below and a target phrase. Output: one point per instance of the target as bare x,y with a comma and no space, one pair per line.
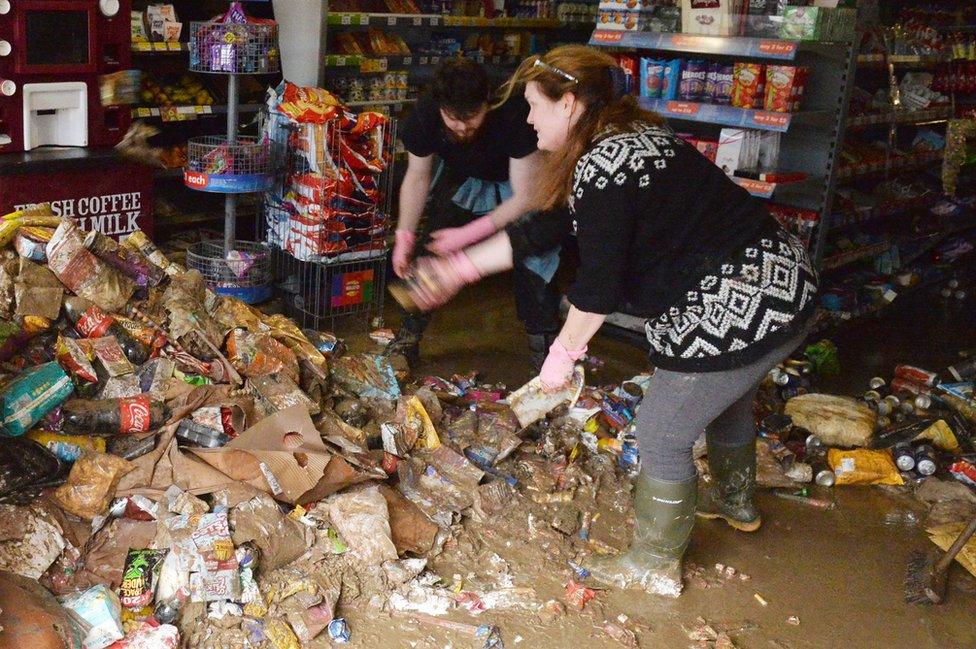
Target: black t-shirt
505,134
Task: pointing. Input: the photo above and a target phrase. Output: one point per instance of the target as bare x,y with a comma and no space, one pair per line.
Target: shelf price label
435,21
391,20
603,36
756,187
693,42
408,60
682,108
777,48
418,21
345,19
143,112
142,47
434,60
423,60
770,119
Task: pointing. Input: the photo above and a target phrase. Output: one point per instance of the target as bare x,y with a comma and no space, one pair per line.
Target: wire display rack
246,273
216,164
327,219
234,48
234,45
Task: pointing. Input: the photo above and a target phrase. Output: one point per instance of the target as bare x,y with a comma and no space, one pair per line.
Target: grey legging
679,406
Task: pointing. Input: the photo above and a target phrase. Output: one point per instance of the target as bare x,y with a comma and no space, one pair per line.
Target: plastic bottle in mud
92,322
114,416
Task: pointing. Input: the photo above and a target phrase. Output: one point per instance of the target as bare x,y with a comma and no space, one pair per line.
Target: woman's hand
403,251
448,240
557,371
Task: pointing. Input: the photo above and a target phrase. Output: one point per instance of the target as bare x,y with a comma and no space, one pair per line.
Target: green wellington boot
665,513
730,497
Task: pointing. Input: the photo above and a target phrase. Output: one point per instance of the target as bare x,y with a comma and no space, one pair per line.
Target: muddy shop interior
514,323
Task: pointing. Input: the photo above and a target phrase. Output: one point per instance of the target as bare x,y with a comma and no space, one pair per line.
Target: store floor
840,572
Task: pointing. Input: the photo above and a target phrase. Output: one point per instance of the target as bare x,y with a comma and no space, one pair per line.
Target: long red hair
603,110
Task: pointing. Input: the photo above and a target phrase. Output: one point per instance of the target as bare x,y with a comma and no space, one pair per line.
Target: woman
727,292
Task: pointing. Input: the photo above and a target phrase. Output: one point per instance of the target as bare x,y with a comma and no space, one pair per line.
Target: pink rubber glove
435,280
557,371
403,251
449,240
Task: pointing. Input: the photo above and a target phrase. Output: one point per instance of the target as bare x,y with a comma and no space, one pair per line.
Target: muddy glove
434,281
403,251
557,371
449,240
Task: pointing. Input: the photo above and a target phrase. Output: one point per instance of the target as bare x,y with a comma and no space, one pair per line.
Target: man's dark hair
460,87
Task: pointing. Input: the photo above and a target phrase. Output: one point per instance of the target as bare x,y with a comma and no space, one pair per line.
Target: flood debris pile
178,468
912,431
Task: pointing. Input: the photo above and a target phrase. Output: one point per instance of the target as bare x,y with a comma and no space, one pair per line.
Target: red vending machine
52,53
56,138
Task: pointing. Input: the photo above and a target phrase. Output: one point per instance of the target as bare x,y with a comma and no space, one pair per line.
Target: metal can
872,396
925,459
904,456
907,386
629,458
917,374
877,383
923,402
814,444
825,477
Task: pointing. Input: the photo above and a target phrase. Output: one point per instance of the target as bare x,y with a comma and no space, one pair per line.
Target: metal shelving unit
890,220
311,23
812,136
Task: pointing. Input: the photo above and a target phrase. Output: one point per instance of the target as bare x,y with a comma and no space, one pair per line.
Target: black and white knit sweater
664,230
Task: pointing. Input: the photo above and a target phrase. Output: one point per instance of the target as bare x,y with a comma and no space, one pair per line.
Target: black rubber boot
539,348
665,513
730,496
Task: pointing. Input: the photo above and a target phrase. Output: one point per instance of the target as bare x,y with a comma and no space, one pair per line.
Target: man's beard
463,139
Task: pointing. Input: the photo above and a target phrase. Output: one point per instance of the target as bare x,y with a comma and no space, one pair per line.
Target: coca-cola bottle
105,417
92,322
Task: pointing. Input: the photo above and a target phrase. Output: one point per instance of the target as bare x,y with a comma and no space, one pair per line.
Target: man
487,162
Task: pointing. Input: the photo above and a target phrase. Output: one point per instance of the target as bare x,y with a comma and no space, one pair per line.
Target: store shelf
765,48
940,113
899,59
379,102
185,113
762,120
436,20
160,48
385,63
848,257
904,162
887,210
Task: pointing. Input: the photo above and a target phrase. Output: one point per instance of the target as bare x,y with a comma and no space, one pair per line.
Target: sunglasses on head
539,63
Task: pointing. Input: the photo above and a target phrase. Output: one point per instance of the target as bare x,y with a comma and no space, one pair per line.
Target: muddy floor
823,578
